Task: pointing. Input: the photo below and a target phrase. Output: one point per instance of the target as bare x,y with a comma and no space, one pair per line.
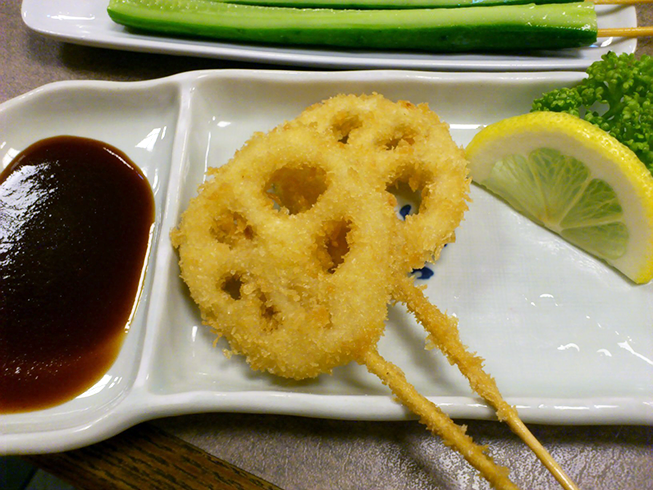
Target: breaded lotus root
284,250
409,147
288,252
293,250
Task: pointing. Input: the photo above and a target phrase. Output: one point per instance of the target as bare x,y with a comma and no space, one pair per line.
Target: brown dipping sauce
75,225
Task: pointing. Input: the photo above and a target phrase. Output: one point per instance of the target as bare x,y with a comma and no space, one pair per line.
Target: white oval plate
568,339
88,23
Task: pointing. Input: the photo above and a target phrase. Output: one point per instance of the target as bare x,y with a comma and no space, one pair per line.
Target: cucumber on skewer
498,28
388,4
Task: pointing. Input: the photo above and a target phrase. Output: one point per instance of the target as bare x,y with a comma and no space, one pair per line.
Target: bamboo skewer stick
620,2
642,31
437,421
444,334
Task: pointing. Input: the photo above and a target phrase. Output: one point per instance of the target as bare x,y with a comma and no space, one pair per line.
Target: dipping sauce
75,225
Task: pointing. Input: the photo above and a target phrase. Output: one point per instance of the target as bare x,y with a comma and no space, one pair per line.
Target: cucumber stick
388,4
512,27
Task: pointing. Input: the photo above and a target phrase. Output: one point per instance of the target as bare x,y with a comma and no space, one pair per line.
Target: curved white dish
569,340
88,23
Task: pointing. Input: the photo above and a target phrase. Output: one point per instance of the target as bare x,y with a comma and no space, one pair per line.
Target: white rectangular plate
568,339
87,22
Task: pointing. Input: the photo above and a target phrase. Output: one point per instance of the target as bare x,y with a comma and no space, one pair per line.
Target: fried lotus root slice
282,307
293,277
415,160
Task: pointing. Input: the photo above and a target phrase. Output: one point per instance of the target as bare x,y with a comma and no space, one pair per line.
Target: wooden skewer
620,2
444,334
642,31
437,421
626,32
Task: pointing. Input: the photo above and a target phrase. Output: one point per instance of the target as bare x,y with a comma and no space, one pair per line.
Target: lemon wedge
576,180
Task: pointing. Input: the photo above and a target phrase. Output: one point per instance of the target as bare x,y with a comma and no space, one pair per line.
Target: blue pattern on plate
423,273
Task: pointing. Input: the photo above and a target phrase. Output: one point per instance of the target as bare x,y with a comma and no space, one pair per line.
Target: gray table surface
302,453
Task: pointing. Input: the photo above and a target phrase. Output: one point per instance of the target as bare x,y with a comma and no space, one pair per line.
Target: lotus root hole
335,245
232,286
296,189
343,127
231,228
408,194
269,313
